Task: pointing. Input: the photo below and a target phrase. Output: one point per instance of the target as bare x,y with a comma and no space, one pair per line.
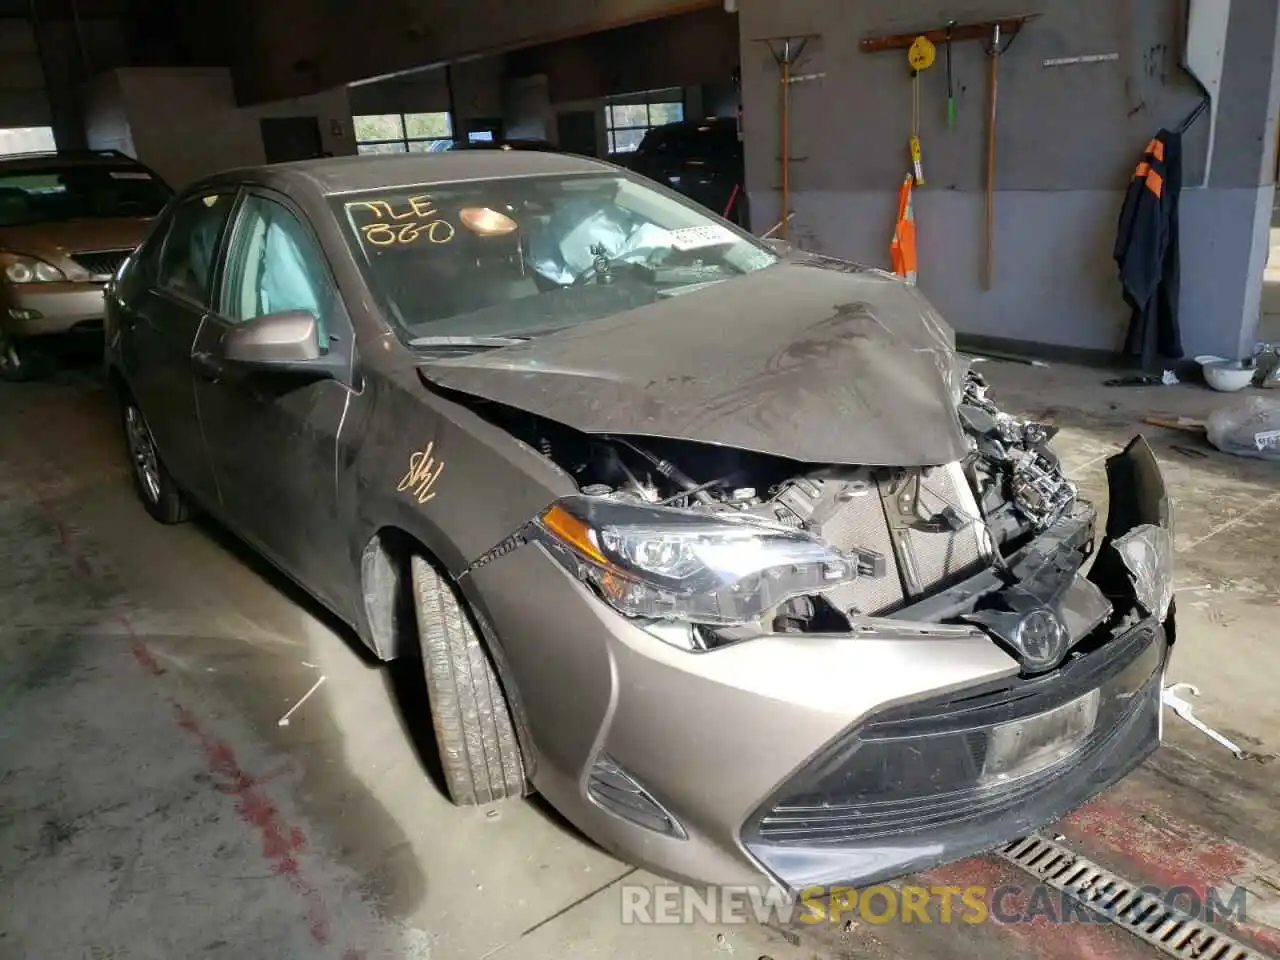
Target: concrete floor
153,806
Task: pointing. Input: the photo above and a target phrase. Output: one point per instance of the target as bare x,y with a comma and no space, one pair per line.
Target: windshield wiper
466,341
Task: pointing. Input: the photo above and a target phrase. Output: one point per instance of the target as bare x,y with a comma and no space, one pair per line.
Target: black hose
669,470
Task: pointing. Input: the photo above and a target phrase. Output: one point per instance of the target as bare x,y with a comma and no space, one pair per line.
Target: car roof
514,143
37,161
705,125
332,175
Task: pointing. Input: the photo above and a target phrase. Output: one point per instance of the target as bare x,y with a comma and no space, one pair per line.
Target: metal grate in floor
1148,917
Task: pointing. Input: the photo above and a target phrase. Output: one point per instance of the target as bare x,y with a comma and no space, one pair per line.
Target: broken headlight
1147,552
664,564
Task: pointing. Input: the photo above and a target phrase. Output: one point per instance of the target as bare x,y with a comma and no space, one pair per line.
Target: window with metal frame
629,117
403,132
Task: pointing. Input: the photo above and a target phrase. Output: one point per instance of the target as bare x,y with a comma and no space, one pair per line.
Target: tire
160,496
478,747
20,361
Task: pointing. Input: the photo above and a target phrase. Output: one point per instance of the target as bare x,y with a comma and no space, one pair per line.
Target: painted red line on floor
280,843
142,653
1167,853
1038,937
79,562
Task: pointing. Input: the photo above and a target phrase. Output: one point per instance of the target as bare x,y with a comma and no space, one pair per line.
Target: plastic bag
1250,428
1267,357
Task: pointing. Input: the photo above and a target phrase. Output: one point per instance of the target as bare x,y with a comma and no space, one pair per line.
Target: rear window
61,192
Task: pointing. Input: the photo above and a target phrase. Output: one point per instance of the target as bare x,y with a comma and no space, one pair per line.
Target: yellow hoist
921,55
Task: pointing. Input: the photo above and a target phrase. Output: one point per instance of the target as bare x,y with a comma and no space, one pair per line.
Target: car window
186,258
274,264
513,256
63,191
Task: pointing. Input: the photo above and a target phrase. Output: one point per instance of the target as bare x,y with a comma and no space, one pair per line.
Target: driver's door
272,438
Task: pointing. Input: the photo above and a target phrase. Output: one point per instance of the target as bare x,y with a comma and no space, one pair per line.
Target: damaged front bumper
809,759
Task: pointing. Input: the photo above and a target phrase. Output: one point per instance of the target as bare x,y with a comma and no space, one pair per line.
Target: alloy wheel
142,450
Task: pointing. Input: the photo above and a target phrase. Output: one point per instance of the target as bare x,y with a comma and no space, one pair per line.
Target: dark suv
701,159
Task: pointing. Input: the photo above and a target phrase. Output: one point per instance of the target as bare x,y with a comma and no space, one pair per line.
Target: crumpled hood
813,360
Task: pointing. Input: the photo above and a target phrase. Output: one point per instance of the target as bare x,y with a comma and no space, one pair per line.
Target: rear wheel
159,494
478,747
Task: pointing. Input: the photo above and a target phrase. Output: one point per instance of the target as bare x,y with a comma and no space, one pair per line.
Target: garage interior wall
528,89
184,122
24,99
294,47
1068,139
696,52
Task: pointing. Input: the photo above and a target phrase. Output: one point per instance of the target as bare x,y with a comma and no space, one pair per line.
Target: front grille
101,263
917,768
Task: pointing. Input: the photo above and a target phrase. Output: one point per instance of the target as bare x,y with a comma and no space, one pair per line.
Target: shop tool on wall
787,52
920,55
997,35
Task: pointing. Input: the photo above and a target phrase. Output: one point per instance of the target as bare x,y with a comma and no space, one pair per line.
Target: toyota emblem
1040,640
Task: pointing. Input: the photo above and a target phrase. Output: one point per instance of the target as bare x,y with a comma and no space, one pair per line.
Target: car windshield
61,192
466,265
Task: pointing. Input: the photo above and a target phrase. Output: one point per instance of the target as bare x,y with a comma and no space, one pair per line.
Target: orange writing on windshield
416,219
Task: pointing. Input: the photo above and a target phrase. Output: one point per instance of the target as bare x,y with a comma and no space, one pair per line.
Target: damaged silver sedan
725,553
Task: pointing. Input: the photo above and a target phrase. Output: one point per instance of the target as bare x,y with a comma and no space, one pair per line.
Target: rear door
159,327
273,438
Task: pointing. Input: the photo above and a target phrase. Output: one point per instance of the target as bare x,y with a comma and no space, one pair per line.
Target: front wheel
156,489
478,747
20,361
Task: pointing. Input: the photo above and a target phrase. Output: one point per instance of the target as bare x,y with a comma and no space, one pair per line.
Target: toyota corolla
719,547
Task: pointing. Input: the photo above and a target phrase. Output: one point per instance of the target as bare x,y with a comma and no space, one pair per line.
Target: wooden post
988,264
786,140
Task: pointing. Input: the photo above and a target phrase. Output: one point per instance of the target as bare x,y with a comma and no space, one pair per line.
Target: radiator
889,516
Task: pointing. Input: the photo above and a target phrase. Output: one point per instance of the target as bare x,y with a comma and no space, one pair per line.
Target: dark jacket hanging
1148,255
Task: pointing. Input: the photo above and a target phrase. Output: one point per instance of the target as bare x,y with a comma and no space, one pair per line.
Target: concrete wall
184,123
1067,140
24,101
293,47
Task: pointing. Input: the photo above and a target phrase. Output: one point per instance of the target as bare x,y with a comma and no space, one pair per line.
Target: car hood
817,361
51,241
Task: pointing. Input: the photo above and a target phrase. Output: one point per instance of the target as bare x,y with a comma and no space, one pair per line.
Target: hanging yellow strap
917,158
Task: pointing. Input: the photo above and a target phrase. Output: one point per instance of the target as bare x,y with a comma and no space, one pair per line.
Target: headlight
663,564
1147,552
20,269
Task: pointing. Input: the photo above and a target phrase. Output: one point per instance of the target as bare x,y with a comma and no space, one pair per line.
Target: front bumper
795,759
45,309
902,792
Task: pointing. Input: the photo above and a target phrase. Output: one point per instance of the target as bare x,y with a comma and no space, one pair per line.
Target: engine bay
912,531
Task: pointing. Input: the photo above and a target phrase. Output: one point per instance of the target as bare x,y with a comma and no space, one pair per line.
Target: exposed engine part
1015,459
913,531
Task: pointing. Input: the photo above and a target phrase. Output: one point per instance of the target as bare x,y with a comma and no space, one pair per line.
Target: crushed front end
733,666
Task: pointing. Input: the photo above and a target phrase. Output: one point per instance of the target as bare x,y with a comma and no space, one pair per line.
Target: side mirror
290,336
782,248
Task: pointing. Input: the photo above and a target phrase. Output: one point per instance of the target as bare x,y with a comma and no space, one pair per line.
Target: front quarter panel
441,473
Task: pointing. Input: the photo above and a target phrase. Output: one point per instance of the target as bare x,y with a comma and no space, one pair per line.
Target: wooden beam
1009,26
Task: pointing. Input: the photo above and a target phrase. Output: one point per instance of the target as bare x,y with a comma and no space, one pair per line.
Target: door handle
206,366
